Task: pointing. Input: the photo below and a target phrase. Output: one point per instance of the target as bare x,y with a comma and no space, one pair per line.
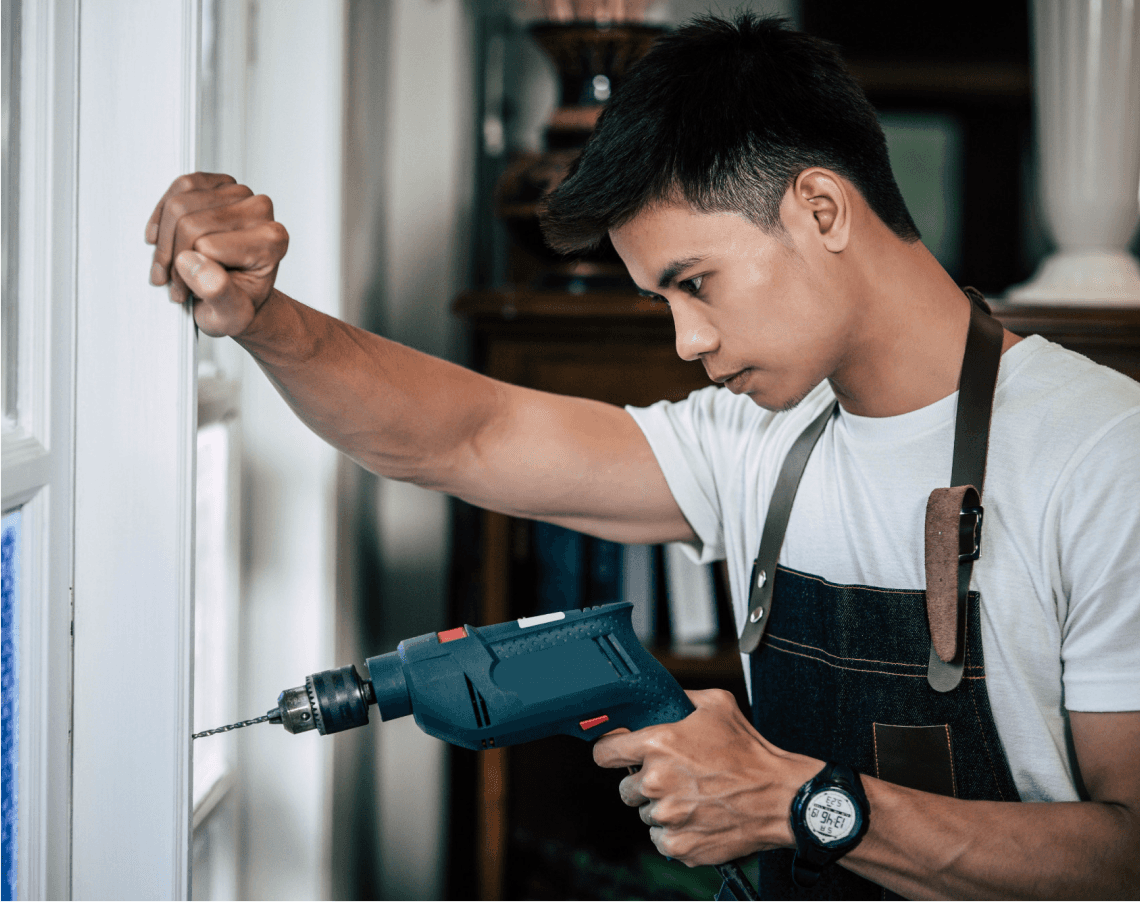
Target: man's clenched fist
217,244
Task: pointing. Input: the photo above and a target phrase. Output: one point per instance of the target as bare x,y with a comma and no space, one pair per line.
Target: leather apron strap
959,506
954,515
776,524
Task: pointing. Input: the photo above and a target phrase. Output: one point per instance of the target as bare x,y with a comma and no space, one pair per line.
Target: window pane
11,175
215,674
926,156
9,774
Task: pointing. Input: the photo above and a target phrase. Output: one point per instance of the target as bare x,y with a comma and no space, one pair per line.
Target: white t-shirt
1059,575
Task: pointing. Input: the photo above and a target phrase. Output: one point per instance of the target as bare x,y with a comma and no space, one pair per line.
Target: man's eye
653,298
692,286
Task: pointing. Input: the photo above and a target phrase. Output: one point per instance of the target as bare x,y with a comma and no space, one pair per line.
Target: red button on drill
460,632
593,722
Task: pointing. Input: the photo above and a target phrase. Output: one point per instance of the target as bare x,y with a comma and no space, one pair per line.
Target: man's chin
777,404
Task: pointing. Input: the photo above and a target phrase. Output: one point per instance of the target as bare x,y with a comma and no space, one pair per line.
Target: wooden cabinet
1108,335
619,348
614,347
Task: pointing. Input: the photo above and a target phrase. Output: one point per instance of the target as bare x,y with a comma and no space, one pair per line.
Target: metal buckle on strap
970,533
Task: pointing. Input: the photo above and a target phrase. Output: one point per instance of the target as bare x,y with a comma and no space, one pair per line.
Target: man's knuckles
192,181
275,237
184,183
659,739
676,844
669,813
240,214
262,205
717,700
653,785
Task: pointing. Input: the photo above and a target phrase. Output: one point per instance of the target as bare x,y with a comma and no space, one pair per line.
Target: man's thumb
205,278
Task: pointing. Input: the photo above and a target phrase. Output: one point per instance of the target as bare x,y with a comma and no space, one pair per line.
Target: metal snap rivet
756,615
761,579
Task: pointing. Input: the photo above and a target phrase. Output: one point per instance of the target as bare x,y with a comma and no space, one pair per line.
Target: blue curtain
9,703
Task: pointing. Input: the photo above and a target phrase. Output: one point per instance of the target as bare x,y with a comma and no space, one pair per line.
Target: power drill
577,673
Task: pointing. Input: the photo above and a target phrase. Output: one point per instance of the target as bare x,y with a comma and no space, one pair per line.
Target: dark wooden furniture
619,348
1108,335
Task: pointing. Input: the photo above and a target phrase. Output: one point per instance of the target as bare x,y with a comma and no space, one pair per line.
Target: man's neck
906,352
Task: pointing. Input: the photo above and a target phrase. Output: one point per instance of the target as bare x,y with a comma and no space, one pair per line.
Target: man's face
762,314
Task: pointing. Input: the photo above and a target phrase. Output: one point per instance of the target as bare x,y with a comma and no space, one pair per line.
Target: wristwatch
829,816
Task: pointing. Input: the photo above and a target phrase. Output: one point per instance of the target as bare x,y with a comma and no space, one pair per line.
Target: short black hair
724,114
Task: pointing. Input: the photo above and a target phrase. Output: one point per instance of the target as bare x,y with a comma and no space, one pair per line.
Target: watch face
831,816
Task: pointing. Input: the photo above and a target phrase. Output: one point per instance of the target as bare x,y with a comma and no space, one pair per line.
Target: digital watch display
829,816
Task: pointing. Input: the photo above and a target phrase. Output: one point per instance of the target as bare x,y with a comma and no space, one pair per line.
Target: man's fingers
228,220
258,247
187,215
187,204
620,749
181,185
632,792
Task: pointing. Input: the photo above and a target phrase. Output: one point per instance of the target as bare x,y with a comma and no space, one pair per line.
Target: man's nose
694,335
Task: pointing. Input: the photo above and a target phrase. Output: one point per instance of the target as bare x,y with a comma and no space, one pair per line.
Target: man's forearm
924,846
396,411
400,413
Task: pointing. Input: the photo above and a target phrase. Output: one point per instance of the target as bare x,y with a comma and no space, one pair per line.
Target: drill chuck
336,700
330,701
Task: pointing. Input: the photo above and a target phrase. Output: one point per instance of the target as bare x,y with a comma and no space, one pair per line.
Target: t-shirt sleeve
1099,541
681,436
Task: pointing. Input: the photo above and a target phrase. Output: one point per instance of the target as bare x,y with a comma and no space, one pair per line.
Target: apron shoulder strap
776,524
954,515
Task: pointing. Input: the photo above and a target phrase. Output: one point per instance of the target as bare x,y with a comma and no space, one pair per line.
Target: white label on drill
524,622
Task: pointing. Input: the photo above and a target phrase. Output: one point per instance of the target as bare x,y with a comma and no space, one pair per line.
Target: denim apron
848,673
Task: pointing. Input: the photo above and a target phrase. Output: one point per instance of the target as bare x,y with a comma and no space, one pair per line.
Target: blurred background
404,144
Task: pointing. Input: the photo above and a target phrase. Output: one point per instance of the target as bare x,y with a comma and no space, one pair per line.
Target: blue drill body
578,673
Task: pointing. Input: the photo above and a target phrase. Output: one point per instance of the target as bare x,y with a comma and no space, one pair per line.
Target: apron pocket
915,757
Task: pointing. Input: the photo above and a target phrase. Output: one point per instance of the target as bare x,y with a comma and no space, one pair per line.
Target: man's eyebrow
674,269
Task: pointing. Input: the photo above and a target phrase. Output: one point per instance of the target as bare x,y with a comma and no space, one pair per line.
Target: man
743,178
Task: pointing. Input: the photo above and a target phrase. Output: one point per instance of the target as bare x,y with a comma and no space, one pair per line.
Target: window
9,208
38,260
9,776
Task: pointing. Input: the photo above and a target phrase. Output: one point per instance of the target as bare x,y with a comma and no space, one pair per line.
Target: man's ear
824,197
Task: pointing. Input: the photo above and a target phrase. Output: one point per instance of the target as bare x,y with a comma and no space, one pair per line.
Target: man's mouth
734,382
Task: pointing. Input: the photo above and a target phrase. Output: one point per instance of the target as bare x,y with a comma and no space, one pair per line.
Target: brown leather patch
943,509
917,757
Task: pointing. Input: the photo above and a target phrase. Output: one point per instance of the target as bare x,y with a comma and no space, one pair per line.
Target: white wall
428,195
293,154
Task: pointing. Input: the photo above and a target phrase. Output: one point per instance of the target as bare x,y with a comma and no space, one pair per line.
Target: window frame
37,444
135,427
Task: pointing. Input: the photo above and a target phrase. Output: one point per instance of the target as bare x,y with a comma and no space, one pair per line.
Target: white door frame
135,421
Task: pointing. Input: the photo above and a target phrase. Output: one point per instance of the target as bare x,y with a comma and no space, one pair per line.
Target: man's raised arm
394,410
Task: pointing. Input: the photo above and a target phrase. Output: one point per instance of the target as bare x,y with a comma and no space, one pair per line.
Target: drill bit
233,726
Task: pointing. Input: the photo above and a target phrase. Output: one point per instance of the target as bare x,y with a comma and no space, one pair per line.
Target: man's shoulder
1059,386
1055,406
